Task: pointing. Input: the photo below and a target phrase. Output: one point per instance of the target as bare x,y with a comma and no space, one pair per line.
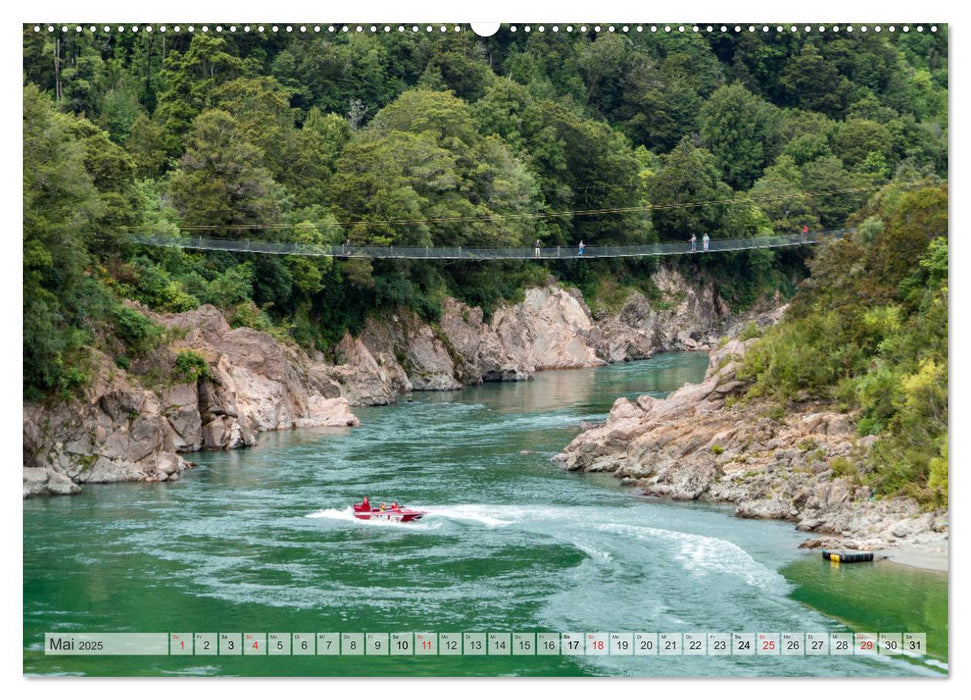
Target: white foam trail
333,514
484,514
496,515
54,674
700,553
599,555
499,515
192,671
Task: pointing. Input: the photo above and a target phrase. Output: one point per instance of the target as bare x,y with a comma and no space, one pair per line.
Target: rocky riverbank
702,443
135,424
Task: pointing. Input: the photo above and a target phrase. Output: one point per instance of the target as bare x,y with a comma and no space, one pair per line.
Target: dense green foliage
450,139
869,329
192,366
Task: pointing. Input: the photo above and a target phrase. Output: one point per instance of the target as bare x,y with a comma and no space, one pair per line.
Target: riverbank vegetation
404,138
869,330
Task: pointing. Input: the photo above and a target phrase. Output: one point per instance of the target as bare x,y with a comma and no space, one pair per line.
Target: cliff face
689,317
552,328
696,444
120,430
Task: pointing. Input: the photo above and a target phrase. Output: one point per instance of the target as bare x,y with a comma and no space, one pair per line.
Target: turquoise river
261,540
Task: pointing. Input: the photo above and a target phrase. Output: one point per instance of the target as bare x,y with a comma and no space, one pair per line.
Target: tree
583,164
738,127
332,72
868,106
547,65
113,173
221,183
687,56
805,136
501,112
919,143
660,106
308,273
605,63
866,60
405,189
261,108
780,195
856,139
836,193
61,208
146,145
318,145
446,118
421,174
919,217
191,79
813,83
117,101
688,194
456,64
380,183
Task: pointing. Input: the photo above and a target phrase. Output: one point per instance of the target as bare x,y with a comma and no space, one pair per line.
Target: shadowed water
262,540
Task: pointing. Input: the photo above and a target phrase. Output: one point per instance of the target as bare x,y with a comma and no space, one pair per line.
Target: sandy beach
923,555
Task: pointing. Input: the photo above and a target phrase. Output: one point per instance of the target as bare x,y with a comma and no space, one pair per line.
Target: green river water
261,540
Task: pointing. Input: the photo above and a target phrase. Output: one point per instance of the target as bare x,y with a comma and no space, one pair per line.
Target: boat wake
699,554
333,514
474,513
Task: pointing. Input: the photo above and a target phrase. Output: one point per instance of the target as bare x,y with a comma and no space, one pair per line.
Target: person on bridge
704,242
536,246
580,249
805,232
694,243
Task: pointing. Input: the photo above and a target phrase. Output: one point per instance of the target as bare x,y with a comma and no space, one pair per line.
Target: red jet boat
393,513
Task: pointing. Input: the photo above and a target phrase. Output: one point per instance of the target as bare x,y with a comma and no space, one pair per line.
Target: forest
388,138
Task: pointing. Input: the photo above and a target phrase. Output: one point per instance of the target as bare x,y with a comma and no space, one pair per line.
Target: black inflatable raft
847,557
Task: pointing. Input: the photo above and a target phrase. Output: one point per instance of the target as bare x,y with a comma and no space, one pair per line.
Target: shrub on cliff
138,333
192,366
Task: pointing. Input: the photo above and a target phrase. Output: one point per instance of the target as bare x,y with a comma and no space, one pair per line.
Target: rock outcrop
116,432
412,351
482,355
687,317
700,444
120,430
551,329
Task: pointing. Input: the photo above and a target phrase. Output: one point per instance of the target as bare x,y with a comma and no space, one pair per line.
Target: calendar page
546,349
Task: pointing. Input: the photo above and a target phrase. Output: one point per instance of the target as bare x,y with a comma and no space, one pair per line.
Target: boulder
45,481
773,508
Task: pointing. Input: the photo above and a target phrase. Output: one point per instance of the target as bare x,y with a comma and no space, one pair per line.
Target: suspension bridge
347,250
